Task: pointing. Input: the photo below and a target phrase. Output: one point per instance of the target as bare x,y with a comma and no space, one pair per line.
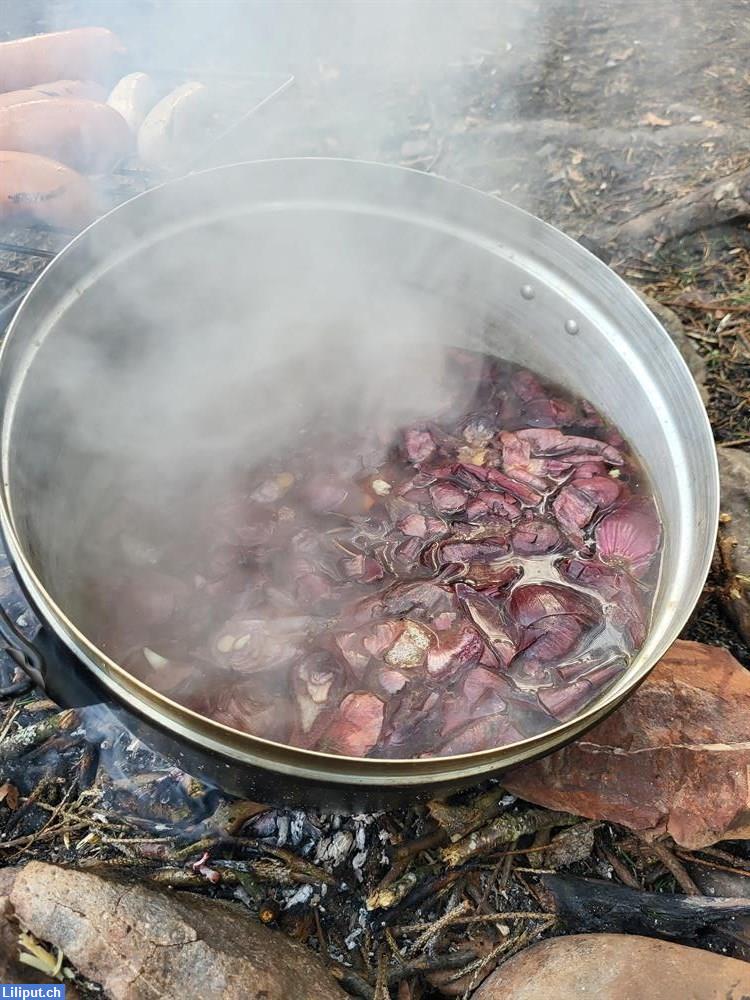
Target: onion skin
356,728
441,589
629,537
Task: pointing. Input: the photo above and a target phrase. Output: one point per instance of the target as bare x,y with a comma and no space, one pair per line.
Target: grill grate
25,251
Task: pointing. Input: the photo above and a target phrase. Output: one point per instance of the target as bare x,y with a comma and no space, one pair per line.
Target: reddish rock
734,536
141,943
674,758
617,967
11,970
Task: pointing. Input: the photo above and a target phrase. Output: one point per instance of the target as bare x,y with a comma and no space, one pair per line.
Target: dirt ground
586,112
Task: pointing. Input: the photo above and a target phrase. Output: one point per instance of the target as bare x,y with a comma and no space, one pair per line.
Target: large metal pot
217,252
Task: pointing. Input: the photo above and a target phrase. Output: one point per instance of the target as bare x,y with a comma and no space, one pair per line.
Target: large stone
673,325
734,535
617,967
673,758
12,971
142,943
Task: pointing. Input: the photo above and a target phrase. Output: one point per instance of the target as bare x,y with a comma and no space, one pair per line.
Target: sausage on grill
86,135
78,54
33,187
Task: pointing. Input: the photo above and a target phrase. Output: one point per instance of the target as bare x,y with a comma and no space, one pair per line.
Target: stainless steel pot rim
266,753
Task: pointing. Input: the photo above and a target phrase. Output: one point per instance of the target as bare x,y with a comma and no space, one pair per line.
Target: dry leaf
9,795
654,120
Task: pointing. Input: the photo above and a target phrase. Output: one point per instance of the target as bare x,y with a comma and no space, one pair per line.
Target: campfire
345,563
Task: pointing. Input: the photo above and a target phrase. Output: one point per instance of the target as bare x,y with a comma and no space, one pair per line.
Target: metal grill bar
30,251
277,83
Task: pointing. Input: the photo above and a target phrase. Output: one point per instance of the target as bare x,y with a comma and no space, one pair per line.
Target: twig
46,782
506,872
385,897
716,852
677,870
686,856
458,821
196,848
184,878
37,733
9,720
430,887
620,869
61,805
476,967
436,927
481,918
507,948
381,982
721,200
47,834
411,848
304,871
429,963
137,840
351,982
322,942
506,828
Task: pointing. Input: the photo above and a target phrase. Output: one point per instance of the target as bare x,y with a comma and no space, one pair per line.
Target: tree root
723,200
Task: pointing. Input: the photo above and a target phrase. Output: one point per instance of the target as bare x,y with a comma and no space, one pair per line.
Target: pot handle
23,652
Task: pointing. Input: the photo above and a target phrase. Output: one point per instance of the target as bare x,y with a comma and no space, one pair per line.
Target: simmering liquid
470,581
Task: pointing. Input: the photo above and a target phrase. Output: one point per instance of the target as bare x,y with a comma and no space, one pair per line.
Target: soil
586,112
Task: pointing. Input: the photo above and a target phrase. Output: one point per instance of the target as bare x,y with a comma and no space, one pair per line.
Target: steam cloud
178,366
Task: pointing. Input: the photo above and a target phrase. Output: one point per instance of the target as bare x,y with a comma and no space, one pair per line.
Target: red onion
471,582
629,537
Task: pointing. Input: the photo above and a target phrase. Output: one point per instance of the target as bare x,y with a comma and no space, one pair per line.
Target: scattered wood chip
654,120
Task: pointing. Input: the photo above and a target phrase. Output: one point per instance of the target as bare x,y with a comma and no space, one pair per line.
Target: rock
141,943
734,536
617,967
12,971
674,758
673,325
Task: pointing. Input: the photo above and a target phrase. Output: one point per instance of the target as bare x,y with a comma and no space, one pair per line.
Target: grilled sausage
79,54
86,89
21,97
33,187
89,89
133,97
173,128
86,135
